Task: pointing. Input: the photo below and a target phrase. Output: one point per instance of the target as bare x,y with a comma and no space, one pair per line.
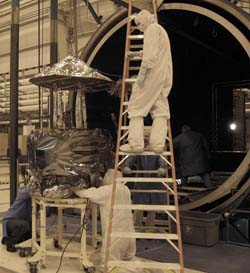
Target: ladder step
146,207
136,58
143,264
183,193
159,229
134,68
144,235
144,153
145,179
160,191
145,127
145,171
136,37
136,46
131,80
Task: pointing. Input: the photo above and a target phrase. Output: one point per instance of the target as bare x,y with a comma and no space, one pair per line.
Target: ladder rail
111,214
155,9
176,198
169,140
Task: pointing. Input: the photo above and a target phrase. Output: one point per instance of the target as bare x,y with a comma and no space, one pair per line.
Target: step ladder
134,42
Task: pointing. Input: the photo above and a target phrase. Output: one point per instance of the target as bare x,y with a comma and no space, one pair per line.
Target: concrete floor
221,258
13,263
16,264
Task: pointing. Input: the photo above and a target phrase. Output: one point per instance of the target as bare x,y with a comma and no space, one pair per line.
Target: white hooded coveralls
156,57
152,96
120,248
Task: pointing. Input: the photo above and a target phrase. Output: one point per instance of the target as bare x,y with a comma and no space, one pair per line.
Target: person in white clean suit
152,87
120,248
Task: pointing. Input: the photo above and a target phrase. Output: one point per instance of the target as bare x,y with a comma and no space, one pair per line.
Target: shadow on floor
221,258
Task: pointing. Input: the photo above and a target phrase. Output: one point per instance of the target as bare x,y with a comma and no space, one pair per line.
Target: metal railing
28,100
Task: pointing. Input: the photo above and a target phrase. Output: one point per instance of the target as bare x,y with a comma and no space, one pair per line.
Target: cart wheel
22,252
56,243
89,269
33,267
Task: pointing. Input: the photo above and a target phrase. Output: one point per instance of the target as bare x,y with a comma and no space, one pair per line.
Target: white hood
108,178
143,19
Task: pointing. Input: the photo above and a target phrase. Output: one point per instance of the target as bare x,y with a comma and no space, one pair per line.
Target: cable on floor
72,238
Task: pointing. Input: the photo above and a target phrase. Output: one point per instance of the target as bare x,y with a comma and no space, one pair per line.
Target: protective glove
132,17
132,54
141,76
127,170
161,171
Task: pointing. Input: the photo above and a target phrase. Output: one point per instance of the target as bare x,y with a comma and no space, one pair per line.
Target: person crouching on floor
17,221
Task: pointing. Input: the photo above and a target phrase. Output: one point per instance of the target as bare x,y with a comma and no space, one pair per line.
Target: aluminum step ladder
134,42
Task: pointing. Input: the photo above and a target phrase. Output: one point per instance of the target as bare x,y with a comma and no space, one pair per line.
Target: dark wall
204,54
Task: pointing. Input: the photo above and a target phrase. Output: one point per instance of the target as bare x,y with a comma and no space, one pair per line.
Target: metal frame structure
41,250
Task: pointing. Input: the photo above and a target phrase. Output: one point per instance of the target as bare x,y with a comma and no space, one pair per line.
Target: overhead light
233,126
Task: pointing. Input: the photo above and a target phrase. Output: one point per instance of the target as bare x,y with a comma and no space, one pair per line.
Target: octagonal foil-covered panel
72,73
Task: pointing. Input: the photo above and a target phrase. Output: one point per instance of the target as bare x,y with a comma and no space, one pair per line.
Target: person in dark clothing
17,221
149,162
193,155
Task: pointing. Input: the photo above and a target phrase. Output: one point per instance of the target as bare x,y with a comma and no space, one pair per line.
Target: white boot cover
135,136
158,134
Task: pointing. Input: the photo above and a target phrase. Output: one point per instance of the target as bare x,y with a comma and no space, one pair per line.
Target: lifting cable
40,38
39,60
